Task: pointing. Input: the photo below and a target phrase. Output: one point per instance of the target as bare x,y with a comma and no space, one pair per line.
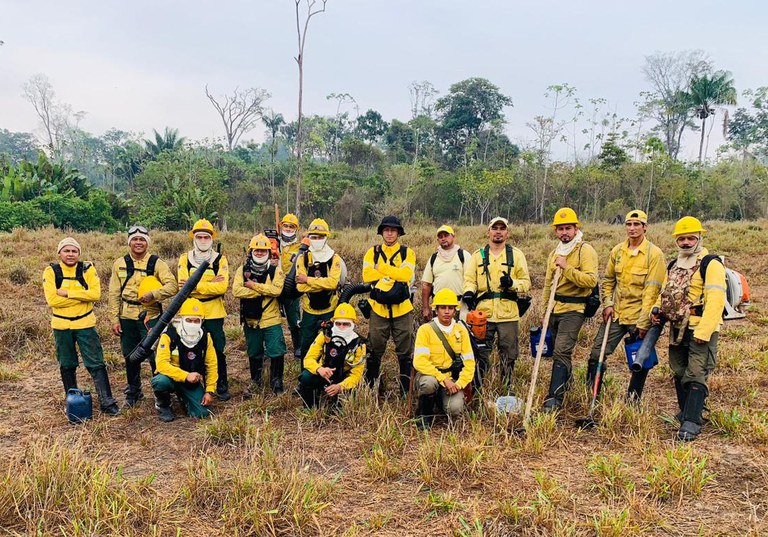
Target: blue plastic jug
631,346
79,406
536,337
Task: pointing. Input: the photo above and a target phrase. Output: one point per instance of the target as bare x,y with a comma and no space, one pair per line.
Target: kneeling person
186,364
443,360
335,361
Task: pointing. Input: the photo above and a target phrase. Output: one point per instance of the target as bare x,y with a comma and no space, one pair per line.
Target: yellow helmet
566,215
319,227
290,218
192,307
260,242
148,285
202,225
345,311
445,297
688,224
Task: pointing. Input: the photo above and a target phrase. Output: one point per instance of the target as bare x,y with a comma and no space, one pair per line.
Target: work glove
469,300
506,282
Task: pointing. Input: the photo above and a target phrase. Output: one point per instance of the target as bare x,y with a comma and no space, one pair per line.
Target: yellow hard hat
686,225
636,216
566,215
260,242
319,227
192,307
345,311
202,225
148,285
290,218
445,297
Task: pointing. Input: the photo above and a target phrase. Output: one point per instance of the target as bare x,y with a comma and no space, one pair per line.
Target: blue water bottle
79,406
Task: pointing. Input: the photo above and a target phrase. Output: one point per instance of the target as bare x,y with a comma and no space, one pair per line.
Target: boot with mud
681,396
425,412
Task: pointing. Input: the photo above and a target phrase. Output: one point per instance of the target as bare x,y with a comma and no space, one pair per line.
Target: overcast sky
141,64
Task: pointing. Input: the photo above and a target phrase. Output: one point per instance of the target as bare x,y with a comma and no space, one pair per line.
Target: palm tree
707,91
168,141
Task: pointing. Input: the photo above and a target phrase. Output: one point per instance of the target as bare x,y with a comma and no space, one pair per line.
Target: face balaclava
260,260
348,334
287,237
686,257
200,251
190,332
320,250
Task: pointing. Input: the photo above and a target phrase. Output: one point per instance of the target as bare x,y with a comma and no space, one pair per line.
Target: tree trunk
701,143
299,138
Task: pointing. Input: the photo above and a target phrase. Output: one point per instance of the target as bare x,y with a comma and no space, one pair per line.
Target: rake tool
589,421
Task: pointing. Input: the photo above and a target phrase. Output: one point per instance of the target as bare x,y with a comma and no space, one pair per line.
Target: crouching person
335,361
186,364
443,360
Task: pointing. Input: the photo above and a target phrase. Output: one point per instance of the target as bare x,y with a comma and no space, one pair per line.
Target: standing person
186,364
445,270
318,273
630,287
497,277
210,292
692,299
257,284
71,288
335,361
392,269
577,261
126,302
443,360
289,246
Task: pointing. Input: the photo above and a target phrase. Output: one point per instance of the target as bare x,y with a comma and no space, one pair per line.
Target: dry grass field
266,467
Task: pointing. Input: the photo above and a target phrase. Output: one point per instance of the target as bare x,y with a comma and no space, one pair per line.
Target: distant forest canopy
449,161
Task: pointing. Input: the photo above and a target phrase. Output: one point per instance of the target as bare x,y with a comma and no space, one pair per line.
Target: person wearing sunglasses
126,302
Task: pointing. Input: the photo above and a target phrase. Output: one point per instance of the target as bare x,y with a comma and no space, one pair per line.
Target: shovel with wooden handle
589,421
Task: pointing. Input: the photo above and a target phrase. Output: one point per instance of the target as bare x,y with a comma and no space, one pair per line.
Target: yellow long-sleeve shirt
315,284
269,291
125,305
78,303
167,363
709,294
313,359
475,280
210,294
403,270
632,282
429,354
288,254
577,280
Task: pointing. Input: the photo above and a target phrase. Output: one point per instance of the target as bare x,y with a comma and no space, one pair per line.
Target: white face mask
348,334
190,332
202,246
315,245
260,258
288,235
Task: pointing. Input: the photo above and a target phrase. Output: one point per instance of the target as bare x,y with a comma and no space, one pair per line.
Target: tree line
450,160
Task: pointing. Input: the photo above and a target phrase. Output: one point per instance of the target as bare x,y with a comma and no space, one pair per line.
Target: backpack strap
510,258
434,258
130,268
216,263
80,269
151,265
58,274
705,263
441,336
461,256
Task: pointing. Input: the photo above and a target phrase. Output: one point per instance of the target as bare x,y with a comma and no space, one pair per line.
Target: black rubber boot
309,395
106,401
636,385
163,406
591,373
558,385
681,395
222,390
696,395
425,412
296,341
68,378
276,367
133,390
405,363
256,367
372,370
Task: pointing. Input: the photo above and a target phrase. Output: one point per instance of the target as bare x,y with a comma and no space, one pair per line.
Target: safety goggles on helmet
137,228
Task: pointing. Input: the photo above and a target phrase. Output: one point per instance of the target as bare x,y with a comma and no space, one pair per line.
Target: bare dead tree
39,92
313,7
239,111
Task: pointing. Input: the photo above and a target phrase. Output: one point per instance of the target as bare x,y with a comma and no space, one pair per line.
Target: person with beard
210,292
443,360
577,261
257,284
186,364
692,299
498,275
318,272
126,303
71,289
445,270
630,287
335,361
289,247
